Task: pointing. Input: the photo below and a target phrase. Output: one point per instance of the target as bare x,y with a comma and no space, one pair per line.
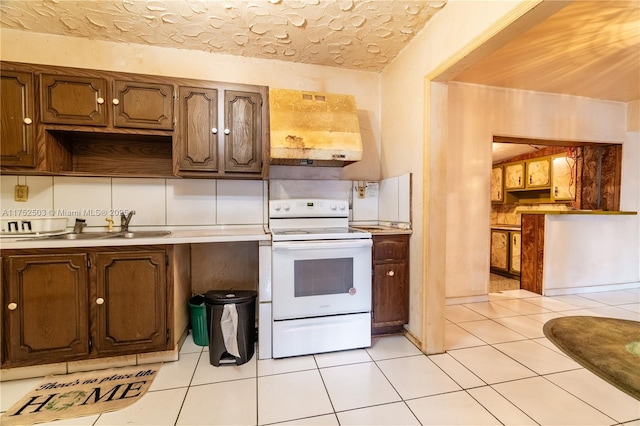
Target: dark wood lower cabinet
390,292
46,308
60,305
130,302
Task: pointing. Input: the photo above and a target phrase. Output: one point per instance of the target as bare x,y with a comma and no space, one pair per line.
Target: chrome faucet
125,219
79,225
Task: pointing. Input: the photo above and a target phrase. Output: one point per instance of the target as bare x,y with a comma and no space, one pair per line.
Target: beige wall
405,103
633,116
20,46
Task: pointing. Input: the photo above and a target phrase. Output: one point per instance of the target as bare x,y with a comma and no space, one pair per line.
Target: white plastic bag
229,326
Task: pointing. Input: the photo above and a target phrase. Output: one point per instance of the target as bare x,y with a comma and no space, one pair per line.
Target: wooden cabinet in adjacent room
497,184
390,291
563,172
221,130
71,304
500,250
17,106
514,176
538,173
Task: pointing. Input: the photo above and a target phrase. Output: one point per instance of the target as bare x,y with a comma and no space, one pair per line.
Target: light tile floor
499,369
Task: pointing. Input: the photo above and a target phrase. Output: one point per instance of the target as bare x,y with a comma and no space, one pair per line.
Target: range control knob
287,207
333,207
342,206
277,207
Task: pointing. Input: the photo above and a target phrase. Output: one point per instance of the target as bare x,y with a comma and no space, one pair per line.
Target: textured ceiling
359,34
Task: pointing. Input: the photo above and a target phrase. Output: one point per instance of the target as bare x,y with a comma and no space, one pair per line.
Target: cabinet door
497,193
242,132
17,109
563,178
143,105
514,176
198,132
514,252
389,293
130,301
500,250
73,100
538,173
45,307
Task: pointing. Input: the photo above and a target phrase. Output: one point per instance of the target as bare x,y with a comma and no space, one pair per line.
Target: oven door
318,278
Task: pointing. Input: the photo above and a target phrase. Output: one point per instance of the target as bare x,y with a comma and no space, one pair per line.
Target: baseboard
466,299
589,289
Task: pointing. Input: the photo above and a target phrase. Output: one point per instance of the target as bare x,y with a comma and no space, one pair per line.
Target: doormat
81,394
608,347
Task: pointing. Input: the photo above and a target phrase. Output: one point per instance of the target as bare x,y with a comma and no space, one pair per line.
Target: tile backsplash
194,202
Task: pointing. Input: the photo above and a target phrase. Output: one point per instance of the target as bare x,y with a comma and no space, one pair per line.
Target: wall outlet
21,193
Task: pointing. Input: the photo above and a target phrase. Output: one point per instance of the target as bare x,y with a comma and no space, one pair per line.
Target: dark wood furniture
82,122
390,291
73,304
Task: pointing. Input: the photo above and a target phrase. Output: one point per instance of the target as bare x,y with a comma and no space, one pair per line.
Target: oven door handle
327,244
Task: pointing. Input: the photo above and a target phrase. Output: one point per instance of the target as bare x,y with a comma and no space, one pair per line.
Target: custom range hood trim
313,128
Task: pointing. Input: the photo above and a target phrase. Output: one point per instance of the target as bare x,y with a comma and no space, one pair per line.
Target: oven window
318,277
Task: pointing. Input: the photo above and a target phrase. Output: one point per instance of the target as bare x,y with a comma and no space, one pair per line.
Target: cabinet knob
12,306
390,273
27,121
227,131
99,301
214,130
116,101
100,101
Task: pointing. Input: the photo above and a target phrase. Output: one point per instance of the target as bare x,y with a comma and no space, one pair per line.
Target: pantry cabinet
72,304
515,252
221,130
390,291
17,106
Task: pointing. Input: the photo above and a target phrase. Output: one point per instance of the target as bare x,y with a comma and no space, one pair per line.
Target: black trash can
245,306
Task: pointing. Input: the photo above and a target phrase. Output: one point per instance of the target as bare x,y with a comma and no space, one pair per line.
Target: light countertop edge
176,237
585,212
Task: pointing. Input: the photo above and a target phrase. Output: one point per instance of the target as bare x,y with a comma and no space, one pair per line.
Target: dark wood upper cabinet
234,149
83,122
17,106
142,105
197,139
66,99
243,129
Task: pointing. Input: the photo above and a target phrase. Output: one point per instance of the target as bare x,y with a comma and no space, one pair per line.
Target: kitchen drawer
390,247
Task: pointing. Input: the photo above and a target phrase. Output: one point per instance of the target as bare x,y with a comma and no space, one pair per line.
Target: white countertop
178,236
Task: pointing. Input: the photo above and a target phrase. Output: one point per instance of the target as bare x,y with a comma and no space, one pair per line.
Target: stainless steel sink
103,235
85,236
143,234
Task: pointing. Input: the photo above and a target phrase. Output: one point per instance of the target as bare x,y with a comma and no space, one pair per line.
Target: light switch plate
21,193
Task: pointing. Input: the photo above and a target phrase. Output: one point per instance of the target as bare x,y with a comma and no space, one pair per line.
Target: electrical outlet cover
21,193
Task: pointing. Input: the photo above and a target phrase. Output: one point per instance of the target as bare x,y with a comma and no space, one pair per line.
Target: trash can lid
222,297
